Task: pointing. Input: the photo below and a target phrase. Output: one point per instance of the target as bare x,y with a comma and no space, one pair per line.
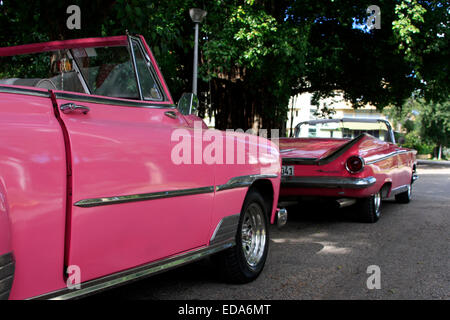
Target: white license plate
287,170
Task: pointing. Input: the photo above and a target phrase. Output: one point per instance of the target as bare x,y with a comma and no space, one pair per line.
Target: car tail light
354,164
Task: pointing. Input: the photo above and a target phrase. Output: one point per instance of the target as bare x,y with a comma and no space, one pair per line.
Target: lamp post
197,16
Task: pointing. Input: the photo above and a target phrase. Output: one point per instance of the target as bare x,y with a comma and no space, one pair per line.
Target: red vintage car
350,160
97,183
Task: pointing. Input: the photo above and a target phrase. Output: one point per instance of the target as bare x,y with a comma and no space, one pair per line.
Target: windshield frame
342,120
115,41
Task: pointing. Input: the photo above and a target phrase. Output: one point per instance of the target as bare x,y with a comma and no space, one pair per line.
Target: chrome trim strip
94,202
389,155
243,181
116,102
226,229
327,182
29,92
136,273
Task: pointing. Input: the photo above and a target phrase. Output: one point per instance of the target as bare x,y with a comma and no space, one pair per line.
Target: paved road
325,255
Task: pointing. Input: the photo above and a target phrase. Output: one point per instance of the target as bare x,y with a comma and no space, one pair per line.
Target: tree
435,122
256,54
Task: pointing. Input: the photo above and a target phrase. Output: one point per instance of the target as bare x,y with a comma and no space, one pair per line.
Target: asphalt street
324,253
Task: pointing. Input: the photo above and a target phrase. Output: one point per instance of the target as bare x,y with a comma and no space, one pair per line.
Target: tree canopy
256,54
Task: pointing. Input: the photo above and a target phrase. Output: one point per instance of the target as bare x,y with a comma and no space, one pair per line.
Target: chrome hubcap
409,192
377,203
253,234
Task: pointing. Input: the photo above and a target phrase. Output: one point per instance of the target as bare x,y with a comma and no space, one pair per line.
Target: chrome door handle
69,107
171,114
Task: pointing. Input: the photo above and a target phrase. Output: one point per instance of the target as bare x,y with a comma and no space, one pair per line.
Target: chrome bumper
327,182
6,275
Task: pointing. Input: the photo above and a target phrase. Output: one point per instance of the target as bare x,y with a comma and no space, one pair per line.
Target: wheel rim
253,234
409,192
377,203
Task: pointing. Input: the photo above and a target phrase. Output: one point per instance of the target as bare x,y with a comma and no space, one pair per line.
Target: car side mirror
188,104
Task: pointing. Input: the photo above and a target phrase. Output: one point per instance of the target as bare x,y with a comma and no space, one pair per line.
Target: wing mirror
188,104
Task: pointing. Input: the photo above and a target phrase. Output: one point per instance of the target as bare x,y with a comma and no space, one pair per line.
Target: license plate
287,170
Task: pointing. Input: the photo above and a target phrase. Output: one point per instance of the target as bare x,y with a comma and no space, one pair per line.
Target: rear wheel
244,262
404,197
370,208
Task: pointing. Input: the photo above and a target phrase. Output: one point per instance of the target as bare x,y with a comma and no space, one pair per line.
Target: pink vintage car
350,160
90,194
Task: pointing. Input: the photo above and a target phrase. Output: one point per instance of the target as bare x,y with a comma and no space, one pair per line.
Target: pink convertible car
350,160
92,193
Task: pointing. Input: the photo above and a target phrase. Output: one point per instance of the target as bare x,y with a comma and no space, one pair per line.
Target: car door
128,202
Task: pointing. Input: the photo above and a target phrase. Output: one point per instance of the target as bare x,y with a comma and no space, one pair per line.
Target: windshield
342,129
107,71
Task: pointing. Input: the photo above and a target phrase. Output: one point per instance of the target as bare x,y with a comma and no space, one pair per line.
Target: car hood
309,148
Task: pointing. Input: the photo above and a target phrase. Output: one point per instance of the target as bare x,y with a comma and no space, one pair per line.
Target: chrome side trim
226,229
134,274
29,92
327,182
94,202
7,267
116,102
243,181
389,155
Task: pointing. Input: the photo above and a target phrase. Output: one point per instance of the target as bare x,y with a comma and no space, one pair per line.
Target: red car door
129,203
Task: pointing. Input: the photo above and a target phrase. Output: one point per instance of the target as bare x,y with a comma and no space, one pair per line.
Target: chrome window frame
151,67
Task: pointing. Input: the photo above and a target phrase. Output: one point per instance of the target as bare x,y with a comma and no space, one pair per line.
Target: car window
107,71
150,90
52,70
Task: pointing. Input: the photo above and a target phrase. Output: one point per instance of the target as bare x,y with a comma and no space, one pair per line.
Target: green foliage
435,122
413,140
421,30
256,54
427,124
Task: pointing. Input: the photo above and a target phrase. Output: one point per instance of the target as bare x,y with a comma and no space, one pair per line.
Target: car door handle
70,107
171,114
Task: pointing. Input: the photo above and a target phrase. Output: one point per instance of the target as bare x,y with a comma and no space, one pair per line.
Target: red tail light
354,164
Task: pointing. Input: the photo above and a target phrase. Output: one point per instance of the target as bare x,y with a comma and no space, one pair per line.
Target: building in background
301,109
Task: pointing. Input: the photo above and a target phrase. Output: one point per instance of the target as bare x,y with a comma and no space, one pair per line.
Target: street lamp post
197,16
